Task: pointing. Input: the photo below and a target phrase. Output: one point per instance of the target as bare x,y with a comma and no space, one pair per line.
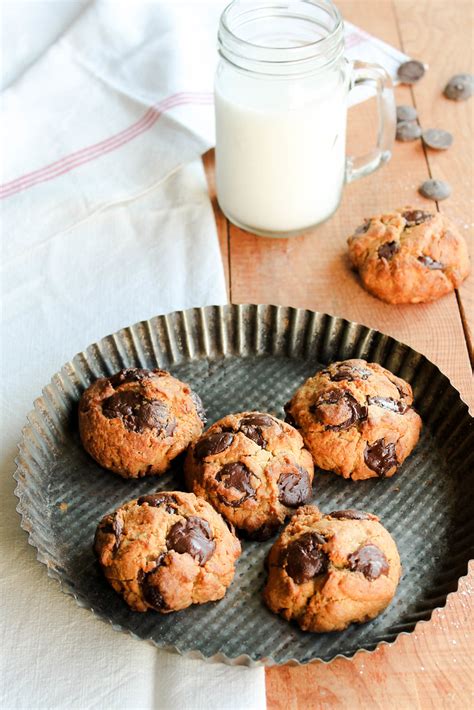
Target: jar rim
250,56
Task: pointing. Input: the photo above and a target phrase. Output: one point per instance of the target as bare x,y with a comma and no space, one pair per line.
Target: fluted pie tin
242,358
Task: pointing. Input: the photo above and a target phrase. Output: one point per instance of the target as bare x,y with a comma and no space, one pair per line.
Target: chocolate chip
410,72
289,418
156,500
388,250
193,536
335,404
263,420
350,373
370,560
429,262
264,532
213,444
136,412
437,138
415,217
199,407
237,476
407,131
151,591
294,487
113,524
435,190
349,514
406,113
380,457
130,374
395,405
460,87
255,434
304,557
363,228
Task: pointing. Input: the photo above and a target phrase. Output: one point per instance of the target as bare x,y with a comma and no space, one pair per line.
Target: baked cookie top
253,468
356,419
136,421
166,551
409,255
327,571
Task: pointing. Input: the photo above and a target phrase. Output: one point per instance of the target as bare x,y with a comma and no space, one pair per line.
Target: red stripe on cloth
89,153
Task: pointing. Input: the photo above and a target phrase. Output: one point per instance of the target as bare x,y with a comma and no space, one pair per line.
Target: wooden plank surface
431,668
438,33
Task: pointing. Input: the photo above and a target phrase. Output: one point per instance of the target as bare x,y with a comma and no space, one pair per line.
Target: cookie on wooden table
253,468
166,551
356,419
409,256
328,571
137,421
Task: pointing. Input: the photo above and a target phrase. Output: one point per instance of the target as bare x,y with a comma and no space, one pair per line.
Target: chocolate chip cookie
166,551
329,571
409,256
356,419
253,468
137,421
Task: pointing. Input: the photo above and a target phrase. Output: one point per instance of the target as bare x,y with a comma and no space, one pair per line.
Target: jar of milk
281,95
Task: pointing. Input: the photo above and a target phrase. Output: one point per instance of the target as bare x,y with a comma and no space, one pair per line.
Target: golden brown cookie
409,256
329,571
166,551
356,419
253,468
137,421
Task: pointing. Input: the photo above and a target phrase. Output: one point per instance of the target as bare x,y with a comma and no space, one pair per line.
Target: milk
280,149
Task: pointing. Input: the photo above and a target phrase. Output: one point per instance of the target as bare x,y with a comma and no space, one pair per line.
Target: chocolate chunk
334,403
156,500
349,514
237,476
407,131
130,374
415,217
410,72
305,558
294,487
113,524
263,420
363,228
136,412
406,113
370,560
262,533
289,418
435,190
199,407
380,457
429,262
151,591
395,405
350,373
255,434
437,139
213,444
460,87
388,250
193,536
252,426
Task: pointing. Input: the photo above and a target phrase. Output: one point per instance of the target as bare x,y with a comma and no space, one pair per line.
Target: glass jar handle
364,74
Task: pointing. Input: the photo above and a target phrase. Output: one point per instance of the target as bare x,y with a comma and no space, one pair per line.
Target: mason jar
281,97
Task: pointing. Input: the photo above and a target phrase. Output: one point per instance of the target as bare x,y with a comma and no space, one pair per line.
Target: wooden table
432,668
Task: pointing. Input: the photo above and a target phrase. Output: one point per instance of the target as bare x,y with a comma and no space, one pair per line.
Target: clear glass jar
281,93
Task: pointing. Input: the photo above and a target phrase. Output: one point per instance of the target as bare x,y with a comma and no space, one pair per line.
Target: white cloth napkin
106,221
